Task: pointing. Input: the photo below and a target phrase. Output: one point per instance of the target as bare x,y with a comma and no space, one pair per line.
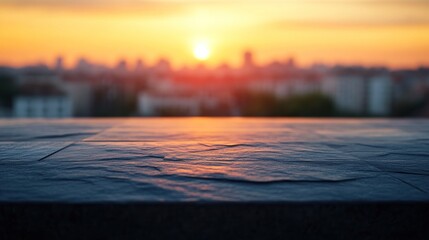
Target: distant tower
248,59
122,65
139,65
163,67
291,62
164,63
83,65
59,64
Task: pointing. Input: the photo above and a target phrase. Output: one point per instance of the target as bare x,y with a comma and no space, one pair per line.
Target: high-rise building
122,65
248,59
139,65
59,64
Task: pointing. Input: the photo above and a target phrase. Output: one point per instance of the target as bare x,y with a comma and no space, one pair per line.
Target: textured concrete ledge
214,159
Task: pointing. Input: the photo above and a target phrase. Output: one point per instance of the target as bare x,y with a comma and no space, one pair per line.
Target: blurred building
248,61
380,95
80,94
348,92
121,67
59,64
140,66
42,101
38,74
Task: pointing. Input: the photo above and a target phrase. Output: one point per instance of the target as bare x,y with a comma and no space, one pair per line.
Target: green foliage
266,104
257,104
8,90
309,105
408,108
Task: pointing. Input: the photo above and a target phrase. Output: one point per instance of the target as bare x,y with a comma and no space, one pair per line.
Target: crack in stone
57,151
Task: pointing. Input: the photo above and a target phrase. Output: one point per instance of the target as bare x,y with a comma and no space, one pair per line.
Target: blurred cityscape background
280,88
333,58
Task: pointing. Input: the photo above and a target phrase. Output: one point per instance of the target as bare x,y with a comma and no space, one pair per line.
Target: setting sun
201,51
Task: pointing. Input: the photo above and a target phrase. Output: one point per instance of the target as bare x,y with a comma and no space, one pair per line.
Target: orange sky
370,32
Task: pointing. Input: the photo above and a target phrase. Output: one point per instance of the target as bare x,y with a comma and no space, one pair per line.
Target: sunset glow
370,32
201,51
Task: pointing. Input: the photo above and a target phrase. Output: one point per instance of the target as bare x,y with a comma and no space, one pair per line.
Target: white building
347,91
380,95
42,101
42,107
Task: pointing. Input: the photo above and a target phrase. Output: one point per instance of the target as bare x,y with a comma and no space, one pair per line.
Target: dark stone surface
214,159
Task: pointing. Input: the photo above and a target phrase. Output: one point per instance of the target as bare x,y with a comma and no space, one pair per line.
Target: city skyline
392,33
131,64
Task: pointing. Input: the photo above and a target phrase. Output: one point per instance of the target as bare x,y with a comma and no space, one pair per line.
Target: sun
201,51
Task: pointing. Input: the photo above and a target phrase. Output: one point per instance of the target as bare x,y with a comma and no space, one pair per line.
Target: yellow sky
389,32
